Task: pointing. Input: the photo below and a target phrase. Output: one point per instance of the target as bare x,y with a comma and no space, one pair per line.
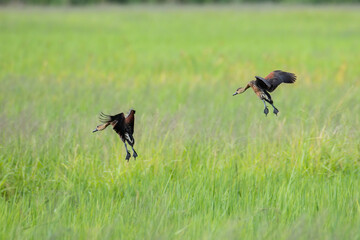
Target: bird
262,86
123,126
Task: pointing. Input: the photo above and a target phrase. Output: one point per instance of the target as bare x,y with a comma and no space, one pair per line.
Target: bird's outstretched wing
262,82
278,77
113,119
130,121
275,78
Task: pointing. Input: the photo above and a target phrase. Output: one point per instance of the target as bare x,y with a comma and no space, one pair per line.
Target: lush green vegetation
82,2
210,165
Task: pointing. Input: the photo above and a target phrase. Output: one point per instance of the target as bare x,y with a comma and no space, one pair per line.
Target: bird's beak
95,130
235,93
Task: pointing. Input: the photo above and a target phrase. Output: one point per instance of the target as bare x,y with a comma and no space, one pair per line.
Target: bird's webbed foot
266,111
135,154
128,155
275,111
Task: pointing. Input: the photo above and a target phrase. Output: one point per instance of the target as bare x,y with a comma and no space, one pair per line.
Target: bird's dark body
123,126
260,92
262,86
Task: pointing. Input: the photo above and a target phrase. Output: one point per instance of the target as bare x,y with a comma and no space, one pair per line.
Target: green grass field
210,166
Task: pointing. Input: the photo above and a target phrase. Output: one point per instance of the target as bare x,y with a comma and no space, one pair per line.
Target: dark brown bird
262,86
124,126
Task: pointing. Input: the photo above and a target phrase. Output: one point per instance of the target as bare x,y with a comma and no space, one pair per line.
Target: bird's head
238,91
101,127
96,129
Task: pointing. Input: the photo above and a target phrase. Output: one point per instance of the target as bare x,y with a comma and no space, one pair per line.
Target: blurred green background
82,2
210,165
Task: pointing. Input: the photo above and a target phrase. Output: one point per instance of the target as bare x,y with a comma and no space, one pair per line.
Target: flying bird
262,86
124,126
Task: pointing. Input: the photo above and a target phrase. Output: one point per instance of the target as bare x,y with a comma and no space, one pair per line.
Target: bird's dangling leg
134,153
266,110
127,153
275,109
